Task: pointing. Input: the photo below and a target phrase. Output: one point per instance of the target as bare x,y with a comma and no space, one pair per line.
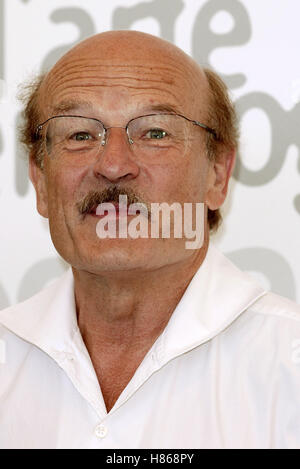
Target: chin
115,255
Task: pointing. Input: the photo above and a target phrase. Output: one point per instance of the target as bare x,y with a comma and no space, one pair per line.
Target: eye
156,134
81,136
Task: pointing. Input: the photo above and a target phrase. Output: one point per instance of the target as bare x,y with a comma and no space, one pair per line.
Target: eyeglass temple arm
210,130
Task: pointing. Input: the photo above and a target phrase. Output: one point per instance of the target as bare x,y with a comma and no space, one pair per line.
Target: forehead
125,85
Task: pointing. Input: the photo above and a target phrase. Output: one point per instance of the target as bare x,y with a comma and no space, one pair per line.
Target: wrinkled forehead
127,80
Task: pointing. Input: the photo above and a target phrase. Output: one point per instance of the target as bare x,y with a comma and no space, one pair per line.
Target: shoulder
34,320
44,295
267,336
278,316
17,320
31,311
277,306
273,317
27,328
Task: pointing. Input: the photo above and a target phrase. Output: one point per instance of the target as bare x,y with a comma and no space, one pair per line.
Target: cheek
190,181
198,174
177,180
62,185
159,182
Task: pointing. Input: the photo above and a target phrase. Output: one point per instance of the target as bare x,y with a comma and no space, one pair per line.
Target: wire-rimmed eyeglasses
149,133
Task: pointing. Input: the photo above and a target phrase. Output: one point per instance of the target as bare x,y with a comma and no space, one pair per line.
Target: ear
38,179
219,174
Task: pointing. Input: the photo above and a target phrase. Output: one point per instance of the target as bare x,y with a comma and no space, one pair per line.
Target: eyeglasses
149,135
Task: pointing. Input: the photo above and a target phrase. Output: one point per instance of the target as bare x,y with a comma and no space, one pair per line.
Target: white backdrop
254,44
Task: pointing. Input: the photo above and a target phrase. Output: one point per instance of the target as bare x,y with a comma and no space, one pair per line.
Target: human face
116,87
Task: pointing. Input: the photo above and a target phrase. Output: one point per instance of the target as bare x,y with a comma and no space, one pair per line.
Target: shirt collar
48,319
217,294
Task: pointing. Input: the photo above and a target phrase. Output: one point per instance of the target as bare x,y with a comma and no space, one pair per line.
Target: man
143,343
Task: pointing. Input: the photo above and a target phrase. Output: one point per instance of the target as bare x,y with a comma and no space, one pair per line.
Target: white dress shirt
225,372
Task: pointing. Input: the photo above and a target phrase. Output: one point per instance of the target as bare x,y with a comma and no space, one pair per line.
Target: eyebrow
164,108
65,107
71,105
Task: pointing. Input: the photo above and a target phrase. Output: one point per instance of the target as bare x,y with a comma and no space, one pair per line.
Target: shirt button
101,431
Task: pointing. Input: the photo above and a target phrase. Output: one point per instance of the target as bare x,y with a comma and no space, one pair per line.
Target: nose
115,160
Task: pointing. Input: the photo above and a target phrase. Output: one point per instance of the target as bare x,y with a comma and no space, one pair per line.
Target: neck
121,314
123,303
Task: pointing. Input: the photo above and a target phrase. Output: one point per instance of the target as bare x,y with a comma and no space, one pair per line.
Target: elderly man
143,343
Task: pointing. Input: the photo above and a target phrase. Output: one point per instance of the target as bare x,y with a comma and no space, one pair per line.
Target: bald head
130,47
128,43
131,59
